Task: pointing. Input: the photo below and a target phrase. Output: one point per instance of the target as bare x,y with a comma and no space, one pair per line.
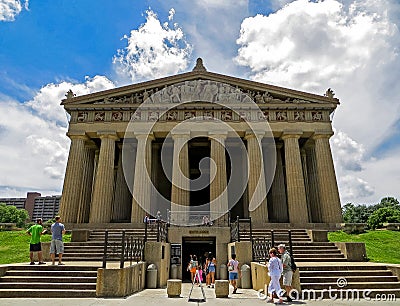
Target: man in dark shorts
35,231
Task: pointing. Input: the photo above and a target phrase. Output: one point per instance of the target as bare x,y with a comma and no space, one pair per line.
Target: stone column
297,201
101,208
73,179
122,199
180,193
218,186
87,184
256,185
141,182
278,190
306,182
328,190
313,189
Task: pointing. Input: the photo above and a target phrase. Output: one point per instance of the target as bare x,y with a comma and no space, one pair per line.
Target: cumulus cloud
47,101
349,45
349,154
212,27
34,146
11,8
154,50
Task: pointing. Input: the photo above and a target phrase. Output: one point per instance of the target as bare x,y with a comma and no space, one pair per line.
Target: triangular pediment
260,93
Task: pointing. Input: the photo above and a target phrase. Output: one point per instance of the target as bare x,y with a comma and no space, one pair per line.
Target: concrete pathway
150,297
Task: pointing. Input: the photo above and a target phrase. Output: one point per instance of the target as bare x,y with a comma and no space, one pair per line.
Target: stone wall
120,282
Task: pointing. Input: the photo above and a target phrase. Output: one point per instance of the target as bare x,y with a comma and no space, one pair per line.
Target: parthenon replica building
200,147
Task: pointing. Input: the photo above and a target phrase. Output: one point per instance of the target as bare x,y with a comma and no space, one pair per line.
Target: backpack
292,263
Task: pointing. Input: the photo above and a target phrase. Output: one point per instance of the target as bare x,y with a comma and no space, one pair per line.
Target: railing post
290,242
122,260
251,230
158,231
272,239
145,230
105,249
238,228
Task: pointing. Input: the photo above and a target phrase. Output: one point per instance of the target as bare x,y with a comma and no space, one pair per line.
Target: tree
356,213
388,202
10,214
382,215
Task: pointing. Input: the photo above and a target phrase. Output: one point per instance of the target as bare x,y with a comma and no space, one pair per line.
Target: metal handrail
128,249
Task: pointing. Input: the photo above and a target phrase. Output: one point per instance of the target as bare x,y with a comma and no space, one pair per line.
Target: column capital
108,134
177,134
77,135
322,134
254,134
219,134
291,134
144,136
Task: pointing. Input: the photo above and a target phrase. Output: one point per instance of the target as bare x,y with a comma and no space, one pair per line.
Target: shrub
10,214
382,215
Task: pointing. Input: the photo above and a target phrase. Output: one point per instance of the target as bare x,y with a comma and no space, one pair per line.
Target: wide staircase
93,249
325,268
46,281
340,280
304,249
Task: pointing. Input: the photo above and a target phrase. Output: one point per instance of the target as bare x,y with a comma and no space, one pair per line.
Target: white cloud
154,50
34,146
11,8
212,27
47,101
351,46
349,154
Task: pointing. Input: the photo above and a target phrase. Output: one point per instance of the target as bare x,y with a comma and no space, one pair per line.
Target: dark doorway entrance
198,246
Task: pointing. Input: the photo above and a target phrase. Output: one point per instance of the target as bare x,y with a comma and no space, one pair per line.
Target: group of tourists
56,245
200,271
277,268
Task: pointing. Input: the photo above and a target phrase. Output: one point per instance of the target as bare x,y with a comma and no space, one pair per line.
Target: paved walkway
150,297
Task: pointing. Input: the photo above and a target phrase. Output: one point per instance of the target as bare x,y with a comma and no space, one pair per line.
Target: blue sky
47,47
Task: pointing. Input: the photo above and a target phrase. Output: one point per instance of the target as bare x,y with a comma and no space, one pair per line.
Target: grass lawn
381,245
14,246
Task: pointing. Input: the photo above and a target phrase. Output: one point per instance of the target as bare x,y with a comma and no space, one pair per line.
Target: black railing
261,246
156,225
241,230
129,248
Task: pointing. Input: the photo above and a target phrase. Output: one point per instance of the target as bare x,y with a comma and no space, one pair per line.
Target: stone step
352,285
321,259
341,268
47,285
316,251
343,273
31,273
45,278
312,255
349,278
46,293
53,268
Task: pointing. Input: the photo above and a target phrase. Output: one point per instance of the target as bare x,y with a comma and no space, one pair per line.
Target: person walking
287,273
192,267
234,272
274,271
57,245
35,231
211,268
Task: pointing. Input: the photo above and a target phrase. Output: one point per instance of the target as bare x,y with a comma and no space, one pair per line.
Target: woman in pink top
234,272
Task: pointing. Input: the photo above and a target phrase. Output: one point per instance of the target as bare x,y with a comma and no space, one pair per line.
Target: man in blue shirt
57,245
